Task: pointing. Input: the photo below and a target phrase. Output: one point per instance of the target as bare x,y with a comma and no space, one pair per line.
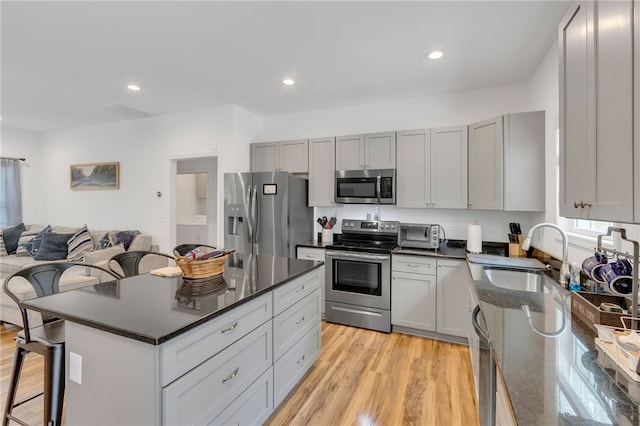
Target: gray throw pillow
53,247
11,236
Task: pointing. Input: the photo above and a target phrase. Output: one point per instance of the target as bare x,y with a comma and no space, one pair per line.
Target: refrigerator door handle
255,213
247,209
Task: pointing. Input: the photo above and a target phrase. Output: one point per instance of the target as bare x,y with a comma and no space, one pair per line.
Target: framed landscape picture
95,176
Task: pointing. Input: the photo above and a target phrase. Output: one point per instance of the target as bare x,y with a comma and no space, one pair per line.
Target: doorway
196,206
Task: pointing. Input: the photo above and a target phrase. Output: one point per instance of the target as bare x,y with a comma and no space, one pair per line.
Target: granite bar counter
155,309
556,376
152,350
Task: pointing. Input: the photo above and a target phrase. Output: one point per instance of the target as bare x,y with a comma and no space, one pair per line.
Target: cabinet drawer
311,254
295,322
188,350
291,293
414,264
253,407
289,369
199,396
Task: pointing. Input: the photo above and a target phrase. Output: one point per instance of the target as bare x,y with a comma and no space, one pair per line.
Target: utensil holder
327,235
515,250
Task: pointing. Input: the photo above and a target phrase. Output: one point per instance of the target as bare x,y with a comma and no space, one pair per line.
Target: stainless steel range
358,274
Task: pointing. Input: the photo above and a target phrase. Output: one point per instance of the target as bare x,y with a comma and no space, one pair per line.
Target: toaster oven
413,235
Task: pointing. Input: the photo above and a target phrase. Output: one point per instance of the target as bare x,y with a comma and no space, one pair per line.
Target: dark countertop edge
313,244
157,341
458,254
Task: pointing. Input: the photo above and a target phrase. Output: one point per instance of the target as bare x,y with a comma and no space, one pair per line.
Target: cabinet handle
230,328
469,204
300,359
576,204
412,265
231,376
308,255
300,320
583,204
300,289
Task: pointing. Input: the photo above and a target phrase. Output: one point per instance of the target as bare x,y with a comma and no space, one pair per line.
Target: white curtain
10,192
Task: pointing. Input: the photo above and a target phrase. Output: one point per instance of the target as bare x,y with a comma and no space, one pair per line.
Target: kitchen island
153,350
553,374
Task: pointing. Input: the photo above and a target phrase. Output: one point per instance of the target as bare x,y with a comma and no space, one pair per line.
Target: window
10,196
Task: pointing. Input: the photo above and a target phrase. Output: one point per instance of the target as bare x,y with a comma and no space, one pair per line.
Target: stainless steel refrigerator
266,213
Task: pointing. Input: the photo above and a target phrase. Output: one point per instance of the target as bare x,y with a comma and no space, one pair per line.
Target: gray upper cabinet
485,164
432,168
413,177
596,111
524,162
322,154
370,151
289,156
448,164
507,164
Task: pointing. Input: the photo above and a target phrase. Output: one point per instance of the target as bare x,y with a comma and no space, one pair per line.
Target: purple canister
617,275
591,266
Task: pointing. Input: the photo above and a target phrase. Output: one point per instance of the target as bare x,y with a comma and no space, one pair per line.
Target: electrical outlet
75,367
452,226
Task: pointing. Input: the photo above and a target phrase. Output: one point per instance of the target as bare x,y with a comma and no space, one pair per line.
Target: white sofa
71,279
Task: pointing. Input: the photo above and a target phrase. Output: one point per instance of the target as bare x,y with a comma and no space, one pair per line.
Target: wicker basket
201,268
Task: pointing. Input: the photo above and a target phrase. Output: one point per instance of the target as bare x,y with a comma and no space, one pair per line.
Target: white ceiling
63,61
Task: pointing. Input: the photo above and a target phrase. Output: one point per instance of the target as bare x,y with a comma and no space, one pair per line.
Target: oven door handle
351,255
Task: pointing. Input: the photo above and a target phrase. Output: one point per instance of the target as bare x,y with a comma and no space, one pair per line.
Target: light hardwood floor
361,378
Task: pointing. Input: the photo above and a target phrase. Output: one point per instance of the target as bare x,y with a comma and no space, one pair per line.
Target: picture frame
93,176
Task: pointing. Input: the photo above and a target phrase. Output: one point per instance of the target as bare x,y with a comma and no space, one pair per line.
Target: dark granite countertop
562,380
155,309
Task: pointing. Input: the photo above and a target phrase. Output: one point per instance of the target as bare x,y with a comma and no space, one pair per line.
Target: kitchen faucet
564,268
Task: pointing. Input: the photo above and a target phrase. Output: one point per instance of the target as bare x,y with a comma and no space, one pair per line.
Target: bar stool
46,340
129,262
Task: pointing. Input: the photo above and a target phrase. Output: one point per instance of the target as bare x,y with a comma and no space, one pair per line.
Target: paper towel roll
474,239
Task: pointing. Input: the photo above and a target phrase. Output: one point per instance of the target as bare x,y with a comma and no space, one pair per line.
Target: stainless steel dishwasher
487,371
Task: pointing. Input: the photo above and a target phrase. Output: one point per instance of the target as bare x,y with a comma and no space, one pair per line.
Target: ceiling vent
123,112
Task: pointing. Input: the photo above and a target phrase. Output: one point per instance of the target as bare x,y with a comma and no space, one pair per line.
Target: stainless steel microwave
366,186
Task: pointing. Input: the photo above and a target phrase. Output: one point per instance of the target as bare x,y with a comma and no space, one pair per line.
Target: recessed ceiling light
436,54
133,87
288,82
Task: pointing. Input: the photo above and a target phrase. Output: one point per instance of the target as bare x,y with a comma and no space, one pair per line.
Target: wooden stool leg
13,384
54,384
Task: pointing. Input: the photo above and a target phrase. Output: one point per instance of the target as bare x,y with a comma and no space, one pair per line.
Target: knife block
515,250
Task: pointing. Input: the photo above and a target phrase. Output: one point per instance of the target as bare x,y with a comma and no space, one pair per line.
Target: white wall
19,143
145,149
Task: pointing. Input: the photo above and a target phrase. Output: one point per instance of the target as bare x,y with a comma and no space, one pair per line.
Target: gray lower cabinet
453,297
201,395
296,332
413,292
316,254
253,406
431,295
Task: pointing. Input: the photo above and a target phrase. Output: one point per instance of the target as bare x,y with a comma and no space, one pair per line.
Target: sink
522,280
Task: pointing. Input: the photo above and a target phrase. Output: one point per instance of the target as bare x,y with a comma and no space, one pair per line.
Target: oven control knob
393,227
